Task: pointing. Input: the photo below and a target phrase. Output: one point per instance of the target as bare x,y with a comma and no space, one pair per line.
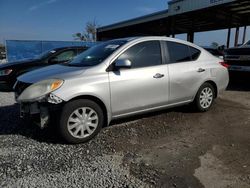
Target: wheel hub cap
82,122
206,97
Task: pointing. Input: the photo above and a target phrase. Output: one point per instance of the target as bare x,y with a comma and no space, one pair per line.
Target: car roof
164,38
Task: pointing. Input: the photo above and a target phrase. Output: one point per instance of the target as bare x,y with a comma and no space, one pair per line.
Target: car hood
53,71
18,63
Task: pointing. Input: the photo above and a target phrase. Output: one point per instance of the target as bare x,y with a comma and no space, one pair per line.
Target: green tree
89,33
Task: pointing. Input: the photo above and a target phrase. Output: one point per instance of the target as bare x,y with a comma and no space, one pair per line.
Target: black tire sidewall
68,110
197,97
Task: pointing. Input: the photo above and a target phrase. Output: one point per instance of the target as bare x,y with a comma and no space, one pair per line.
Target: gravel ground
172,148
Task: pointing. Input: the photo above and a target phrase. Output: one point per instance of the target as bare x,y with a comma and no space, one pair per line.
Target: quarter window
144,54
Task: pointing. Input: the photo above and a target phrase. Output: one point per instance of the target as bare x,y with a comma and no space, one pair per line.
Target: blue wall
27,49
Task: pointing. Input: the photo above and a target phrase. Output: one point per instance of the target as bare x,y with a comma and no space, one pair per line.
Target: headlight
39,90
5,72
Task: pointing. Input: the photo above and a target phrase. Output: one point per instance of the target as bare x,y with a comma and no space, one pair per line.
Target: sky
60,19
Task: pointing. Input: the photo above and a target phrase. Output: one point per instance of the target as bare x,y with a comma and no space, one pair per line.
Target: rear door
186,72
144,85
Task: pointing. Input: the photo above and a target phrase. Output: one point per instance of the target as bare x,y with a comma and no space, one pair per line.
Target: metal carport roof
183,16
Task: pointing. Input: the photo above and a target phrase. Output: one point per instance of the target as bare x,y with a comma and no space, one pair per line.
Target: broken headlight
40,89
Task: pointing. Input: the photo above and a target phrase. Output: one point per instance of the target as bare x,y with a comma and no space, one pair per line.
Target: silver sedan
120,78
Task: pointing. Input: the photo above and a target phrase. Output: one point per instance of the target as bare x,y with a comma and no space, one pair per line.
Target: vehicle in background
2,52
218,52
10,71
120,78
238,58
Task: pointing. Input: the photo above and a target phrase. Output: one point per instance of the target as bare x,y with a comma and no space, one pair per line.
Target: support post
190,37
236,36
228,37
173,27
244,35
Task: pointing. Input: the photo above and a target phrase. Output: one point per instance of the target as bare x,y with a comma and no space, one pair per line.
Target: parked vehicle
10,71
238,58
120,78
215,51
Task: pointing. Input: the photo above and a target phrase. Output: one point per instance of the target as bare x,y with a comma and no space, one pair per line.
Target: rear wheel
204,97
80,121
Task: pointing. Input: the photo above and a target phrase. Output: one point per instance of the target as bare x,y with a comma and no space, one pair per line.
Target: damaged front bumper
40,111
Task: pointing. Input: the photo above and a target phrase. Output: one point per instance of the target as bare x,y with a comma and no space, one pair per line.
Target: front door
144,85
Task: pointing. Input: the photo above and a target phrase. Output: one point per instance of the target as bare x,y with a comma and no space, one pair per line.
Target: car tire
204,97
80,121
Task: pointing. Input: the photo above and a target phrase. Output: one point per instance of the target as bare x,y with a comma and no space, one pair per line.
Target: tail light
224,64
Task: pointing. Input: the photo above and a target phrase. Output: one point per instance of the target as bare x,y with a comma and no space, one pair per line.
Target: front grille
20,87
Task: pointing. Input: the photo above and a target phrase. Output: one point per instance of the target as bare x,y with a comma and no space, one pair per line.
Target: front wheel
204,97
80,121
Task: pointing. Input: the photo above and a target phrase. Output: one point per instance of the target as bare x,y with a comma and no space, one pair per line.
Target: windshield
97,54
45,54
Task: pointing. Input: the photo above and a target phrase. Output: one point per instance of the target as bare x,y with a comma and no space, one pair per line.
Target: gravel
30,157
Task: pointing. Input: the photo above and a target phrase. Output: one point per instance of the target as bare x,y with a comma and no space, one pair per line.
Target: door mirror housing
123,63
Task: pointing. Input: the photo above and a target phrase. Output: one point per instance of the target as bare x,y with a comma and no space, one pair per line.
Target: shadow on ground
11,124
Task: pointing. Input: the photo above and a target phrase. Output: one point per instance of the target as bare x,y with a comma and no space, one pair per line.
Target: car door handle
201,70
158,75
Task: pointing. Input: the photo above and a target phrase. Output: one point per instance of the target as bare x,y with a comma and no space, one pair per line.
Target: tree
215,44
79,36
89,34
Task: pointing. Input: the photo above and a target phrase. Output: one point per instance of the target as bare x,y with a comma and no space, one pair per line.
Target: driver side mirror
123,63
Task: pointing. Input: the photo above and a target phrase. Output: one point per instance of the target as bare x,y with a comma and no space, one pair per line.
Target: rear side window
194,53
181,52
144,54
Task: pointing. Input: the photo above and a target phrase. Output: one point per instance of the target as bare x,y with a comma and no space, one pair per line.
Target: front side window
45,54
178,52
144,54
65,56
